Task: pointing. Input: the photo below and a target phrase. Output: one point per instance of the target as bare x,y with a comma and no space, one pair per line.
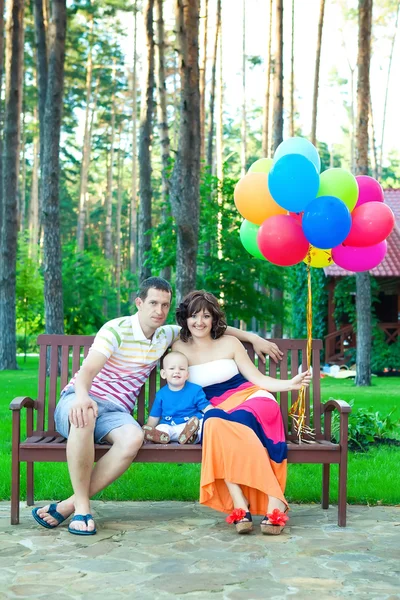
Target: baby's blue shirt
175,408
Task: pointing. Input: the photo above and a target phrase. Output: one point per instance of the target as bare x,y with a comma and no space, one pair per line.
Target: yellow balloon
318,258
253,200
263,165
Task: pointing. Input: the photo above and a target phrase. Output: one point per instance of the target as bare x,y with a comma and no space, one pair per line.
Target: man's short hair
157,283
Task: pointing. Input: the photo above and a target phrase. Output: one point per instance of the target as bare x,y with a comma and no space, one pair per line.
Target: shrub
366,427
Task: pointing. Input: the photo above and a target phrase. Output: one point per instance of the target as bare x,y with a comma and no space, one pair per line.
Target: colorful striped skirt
244,443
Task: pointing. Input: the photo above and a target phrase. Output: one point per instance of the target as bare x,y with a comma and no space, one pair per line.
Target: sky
339,50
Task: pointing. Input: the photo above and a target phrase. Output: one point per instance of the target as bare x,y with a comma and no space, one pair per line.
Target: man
97,403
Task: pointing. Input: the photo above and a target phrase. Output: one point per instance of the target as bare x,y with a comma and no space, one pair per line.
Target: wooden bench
43,444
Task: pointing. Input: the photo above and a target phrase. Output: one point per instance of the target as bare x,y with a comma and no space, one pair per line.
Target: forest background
125,126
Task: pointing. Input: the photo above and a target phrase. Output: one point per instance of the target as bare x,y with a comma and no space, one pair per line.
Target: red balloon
372,222
282,241
369,190
297,216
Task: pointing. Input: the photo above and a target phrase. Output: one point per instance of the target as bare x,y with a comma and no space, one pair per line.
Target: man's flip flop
85,519
52,512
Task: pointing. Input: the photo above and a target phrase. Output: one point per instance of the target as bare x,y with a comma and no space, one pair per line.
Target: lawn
372,475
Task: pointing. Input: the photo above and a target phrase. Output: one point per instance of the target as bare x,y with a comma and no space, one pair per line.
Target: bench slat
52,386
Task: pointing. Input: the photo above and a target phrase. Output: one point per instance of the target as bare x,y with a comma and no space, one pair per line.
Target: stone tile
173,550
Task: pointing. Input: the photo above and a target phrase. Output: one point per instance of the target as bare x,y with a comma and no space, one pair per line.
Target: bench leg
325,485
342,504
29,484
15,488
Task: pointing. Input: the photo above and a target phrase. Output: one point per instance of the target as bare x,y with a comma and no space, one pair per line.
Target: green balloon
248,237
263,165
341,184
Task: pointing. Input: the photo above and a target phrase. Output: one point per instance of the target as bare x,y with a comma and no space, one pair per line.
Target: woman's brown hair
195,302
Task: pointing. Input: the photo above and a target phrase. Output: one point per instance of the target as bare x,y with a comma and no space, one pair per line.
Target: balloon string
298,409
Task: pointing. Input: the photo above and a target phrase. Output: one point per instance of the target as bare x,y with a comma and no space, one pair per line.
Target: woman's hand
263,347
303,379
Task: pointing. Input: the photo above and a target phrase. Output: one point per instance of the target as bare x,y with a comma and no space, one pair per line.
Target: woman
244,448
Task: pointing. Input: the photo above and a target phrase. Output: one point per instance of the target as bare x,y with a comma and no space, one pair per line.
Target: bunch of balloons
294,213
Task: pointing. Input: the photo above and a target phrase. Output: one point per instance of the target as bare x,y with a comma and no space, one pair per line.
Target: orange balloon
253,200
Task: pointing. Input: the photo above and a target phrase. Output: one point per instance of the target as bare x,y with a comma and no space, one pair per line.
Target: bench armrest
341,405
344,410
23,402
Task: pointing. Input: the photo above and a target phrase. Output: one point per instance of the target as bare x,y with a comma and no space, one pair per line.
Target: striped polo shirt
131,357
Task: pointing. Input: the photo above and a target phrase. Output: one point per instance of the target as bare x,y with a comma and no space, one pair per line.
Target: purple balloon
359,259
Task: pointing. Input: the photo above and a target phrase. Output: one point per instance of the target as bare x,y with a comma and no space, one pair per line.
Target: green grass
372,476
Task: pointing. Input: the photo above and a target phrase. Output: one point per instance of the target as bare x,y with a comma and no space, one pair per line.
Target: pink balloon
372,222
359,259
369,190
282,241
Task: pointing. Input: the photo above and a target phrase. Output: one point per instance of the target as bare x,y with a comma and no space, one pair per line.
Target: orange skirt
234,449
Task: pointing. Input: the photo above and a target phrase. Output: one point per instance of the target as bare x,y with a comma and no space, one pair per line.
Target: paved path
167,550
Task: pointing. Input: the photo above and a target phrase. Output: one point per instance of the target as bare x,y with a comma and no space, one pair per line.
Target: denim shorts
110,416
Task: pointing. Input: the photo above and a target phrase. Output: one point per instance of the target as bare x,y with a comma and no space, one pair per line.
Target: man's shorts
110,416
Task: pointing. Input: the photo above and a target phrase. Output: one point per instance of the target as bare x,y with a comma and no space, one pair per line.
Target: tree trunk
163,122
22,186
265,132
291,122
108,246
50,168
34,195
1,107
80,231
118,226
133,208
220,146
185,181
243,129
210,141
146,117
277,131
353,124
175,126
374,152
41,27
363,283
316,74
9,230
203,72
387,89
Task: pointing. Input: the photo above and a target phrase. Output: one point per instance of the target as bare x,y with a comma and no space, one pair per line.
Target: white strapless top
215,371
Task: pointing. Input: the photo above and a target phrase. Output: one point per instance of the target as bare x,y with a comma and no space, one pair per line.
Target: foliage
297,283
29,299
345,301
225,268
89,291
366,427
385,357
239,280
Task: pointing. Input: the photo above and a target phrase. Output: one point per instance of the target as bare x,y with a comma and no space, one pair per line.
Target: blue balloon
299,145
293,182
326,222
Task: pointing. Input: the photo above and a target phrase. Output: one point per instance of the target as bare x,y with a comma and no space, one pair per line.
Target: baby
177,412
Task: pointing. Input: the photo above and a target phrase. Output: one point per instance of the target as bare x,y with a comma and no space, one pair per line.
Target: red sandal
274,523
237,516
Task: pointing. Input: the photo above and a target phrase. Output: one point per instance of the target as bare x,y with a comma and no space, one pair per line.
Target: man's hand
78,413
303,379
263,347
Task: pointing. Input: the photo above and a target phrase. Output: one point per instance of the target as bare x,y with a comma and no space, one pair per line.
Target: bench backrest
62,355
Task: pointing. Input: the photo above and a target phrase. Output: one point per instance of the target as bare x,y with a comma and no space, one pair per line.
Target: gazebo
343,337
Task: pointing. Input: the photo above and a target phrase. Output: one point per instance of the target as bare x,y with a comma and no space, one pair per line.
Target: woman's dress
243,439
